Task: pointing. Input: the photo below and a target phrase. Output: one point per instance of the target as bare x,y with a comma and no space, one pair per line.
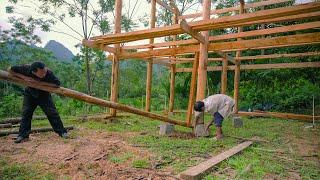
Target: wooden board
198,171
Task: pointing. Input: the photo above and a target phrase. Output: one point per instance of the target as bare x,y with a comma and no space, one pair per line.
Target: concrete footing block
200,131
237,122
166,129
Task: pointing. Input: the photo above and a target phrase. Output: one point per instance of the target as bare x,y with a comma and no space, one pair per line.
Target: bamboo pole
193,87
7,125
224,75
150,61
115,62
237,69
301,117
36,130
173,71
172,83
203,55
27,81
17,120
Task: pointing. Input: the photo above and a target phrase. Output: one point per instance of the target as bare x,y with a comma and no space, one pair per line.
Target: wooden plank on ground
198,171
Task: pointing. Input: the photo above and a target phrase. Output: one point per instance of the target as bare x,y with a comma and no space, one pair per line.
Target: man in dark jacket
35,97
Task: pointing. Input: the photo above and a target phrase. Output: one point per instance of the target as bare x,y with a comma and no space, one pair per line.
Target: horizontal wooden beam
261,66
280,115
272,56
225,10
223,22
27,81
245,34
299,39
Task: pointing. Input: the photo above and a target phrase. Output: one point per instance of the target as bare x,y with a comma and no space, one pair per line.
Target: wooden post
203,56
150,62
193,87
173,71
115,61
172,82
224,75
237,69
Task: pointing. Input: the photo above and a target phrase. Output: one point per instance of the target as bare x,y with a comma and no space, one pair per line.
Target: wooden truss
173,53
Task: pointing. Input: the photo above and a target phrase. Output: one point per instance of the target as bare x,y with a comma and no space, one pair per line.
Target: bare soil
81,157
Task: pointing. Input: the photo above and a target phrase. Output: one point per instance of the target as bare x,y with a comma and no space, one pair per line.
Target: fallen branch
36,130
17,120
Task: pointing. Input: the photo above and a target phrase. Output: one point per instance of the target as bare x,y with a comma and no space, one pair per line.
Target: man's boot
21,139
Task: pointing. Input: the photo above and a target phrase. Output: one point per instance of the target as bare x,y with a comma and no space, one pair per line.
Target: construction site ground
130,148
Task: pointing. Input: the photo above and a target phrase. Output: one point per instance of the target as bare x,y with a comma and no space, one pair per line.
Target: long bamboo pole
193,87
203,56
237,69
150,61
5,133
173,71
224,75
115,62
26,81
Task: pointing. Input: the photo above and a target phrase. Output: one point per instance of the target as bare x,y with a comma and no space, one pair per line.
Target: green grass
140,163
9,171
180,153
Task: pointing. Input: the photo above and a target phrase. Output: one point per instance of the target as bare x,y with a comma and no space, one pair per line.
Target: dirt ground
81,157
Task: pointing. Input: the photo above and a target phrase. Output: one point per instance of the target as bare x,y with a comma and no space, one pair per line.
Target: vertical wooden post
172,82
150,62
203,56
172,71
224,75
237,69
193,86
115,61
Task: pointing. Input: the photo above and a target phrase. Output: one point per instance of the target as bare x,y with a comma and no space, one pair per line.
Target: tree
94,17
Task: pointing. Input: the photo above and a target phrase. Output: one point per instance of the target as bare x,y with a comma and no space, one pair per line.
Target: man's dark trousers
46,104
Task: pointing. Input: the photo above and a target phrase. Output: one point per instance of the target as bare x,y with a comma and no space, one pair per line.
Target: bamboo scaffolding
223,22
281,41
261,66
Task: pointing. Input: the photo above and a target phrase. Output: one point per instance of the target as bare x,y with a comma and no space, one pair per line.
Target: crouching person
220,106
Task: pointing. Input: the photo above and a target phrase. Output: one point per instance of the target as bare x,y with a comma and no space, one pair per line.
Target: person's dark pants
46,104
218,119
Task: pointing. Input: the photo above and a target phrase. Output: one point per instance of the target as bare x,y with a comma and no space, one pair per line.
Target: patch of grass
121,158
140,163
17,171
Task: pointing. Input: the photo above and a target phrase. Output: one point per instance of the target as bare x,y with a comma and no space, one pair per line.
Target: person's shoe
65,135
21,139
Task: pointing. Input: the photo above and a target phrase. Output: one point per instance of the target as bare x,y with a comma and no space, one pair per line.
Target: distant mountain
59,51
